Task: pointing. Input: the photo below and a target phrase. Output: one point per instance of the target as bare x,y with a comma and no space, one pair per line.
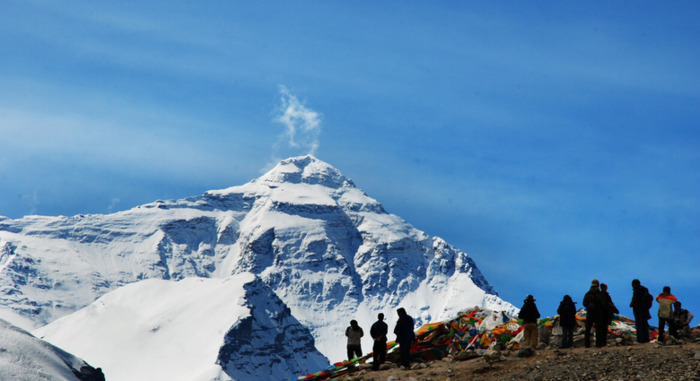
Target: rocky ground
652,361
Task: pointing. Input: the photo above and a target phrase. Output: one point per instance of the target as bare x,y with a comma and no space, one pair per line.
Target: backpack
648,299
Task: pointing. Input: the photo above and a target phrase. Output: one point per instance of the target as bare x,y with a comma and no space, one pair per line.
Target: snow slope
193,329
326,249
23,357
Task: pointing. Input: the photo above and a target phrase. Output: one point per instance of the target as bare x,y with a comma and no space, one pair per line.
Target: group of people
670,313
600,311
403,330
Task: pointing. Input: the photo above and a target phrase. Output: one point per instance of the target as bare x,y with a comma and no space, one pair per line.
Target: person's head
677,305
401,311
594,283
603,287
353,323
529,299
380,316
567,298
667,289
636,283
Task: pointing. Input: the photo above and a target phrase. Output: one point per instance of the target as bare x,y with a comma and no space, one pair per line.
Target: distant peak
305,170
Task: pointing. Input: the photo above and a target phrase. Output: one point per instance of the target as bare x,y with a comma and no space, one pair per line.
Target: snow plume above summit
302,128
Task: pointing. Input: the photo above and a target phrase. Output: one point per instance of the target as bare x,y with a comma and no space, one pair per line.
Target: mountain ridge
329,251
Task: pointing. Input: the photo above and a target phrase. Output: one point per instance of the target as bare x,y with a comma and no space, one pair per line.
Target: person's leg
662,323
528,329
601,333
564,336
376,355
673,328
642,329
570,340
535,336
405,353
587,333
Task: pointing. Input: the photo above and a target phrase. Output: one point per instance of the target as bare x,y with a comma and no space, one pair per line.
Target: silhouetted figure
666,300
354,334
594,302
609,310
567,321
405,337
641,303
529,314
378,332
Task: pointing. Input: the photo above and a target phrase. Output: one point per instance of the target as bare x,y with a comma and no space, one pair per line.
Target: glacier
329,252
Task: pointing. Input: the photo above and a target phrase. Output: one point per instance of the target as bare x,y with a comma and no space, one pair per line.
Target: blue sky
555,142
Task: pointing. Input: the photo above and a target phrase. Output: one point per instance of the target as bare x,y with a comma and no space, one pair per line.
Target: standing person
681,321
609,310
665,300
405,337
567,320
641,303
529,314
594,302
354,333
378,333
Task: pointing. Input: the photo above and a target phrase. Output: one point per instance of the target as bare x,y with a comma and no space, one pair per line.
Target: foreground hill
194,329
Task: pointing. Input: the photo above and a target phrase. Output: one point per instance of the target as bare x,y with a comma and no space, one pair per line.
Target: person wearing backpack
641,303
594,302
405,336
666,300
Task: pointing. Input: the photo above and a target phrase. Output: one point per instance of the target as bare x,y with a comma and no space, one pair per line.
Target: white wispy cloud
302,128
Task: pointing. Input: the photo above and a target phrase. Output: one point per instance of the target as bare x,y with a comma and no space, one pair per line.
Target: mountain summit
326,249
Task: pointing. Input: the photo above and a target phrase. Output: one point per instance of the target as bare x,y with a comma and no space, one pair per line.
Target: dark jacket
567,313
404,329
610,309
378,331
529,312
640,303
594,301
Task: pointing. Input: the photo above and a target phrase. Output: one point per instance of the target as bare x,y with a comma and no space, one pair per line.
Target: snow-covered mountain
326,249
193,329
23,357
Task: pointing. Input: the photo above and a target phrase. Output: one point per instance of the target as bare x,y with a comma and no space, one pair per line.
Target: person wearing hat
594,302
529,314
567,321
